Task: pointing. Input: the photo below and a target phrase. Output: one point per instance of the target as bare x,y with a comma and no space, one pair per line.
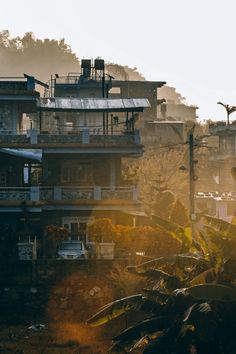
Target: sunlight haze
189,44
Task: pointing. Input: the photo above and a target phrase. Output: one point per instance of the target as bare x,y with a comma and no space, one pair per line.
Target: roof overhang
144,83
135,213
131,150
29,154
67,104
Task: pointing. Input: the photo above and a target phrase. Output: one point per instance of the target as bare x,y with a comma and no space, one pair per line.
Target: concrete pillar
85,136
15,118
34,194
97,193
137,139
57,193
135,193
112,172
33,134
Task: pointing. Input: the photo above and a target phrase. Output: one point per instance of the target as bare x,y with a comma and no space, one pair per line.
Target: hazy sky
190,44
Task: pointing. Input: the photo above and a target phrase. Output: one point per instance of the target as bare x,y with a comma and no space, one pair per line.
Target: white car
72,249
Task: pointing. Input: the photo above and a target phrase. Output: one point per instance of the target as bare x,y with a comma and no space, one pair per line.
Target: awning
27,154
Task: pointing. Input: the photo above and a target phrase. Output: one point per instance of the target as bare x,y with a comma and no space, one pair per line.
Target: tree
151,240
102,230
37,57
124,72
158,171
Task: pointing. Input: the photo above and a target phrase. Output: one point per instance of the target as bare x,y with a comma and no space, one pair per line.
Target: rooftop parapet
222,126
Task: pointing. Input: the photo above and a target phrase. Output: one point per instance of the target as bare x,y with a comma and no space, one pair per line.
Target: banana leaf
116,309
205,277
180,260
182,234
156,273
204,244
229,268
221,245
157,294
226,229
143,342
145,327
132,345
212,292
189,260
141,268
152,307
205,321
170,281
190,314
166,343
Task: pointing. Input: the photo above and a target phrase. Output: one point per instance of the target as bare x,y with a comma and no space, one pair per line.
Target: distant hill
44,57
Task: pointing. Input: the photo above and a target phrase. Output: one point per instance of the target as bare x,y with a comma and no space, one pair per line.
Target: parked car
72,249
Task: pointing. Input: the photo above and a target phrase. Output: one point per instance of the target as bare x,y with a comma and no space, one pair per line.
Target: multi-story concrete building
66,168
220,200
225,157
175,106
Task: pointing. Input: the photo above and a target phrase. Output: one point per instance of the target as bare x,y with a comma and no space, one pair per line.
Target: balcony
84,136
45,194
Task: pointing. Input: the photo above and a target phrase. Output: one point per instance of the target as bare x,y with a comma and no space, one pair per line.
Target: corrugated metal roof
92,104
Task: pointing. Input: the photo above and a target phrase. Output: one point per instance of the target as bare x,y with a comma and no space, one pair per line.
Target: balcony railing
68,193
84,136
15,193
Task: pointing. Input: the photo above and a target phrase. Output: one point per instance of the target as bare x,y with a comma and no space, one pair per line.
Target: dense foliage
150,240
189,305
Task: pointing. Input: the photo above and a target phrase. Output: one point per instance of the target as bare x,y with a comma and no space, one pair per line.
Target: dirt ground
62,311
66,338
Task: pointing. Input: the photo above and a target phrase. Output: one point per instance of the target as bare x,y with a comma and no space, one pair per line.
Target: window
77,172
77,226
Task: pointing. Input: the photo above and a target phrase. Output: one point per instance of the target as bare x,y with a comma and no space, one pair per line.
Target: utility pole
191,181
